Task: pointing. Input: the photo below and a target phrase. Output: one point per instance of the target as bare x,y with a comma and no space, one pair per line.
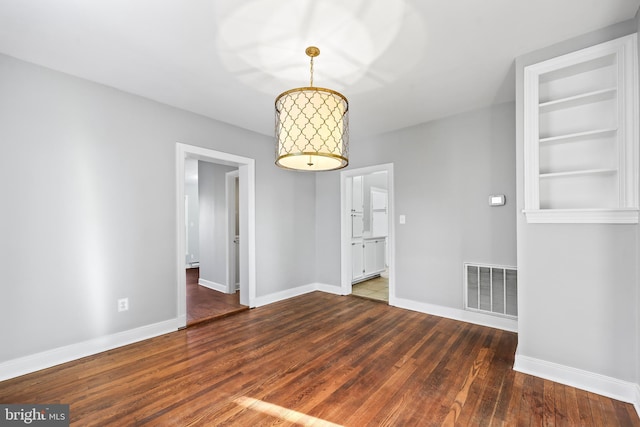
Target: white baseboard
596,383
213,285
457,314
46,359
300,290
330,289
282,295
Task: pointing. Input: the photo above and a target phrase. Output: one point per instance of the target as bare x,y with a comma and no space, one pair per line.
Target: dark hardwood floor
204,304
316,359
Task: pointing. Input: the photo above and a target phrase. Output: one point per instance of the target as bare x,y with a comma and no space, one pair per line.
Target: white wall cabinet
357,261
368,258
374,259
581,136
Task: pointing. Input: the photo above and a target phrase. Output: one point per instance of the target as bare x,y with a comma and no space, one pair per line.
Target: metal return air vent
491,289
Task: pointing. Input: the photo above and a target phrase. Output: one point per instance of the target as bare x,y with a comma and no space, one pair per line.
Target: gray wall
87,177
444,173
213,221
576,281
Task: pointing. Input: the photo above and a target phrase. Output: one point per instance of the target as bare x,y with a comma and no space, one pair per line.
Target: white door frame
230,183
246,171
345,218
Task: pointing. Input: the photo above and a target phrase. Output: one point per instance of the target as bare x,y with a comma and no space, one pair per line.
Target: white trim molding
476,318
213,285
329,289
46,359
283,295
584,216
247,262
294,292
614,388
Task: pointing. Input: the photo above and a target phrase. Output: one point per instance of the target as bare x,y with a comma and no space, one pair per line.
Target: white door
369,257
381,258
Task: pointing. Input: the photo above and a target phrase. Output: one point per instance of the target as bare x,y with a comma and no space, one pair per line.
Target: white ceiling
399,62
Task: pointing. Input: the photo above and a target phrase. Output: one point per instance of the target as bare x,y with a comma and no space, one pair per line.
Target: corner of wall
526,361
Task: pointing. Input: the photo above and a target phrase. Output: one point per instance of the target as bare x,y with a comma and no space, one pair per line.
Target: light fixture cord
311,84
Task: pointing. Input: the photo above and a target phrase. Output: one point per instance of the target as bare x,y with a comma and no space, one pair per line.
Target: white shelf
581,216
584,98
578,136
578,173
581,136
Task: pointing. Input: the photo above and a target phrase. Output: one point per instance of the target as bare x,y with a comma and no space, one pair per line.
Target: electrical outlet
123,304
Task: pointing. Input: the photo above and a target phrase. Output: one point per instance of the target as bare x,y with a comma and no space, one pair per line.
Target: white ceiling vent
491,289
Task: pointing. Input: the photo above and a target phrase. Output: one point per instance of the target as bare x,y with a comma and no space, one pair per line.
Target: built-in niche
581,136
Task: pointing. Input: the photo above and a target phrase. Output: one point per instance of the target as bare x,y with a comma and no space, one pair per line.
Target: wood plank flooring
316,359
204,304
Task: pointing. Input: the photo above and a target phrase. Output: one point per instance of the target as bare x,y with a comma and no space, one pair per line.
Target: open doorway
245,194
368,241
212,229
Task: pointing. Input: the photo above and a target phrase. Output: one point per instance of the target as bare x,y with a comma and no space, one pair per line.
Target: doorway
368,232
212,212
246,219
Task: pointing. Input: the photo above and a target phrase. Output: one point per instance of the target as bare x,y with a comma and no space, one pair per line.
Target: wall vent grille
491,289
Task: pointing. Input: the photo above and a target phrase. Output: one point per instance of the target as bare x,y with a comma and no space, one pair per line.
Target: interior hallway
204,304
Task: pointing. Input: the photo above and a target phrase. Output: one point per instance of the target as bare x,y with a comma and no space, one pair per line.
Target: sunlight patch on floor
282,413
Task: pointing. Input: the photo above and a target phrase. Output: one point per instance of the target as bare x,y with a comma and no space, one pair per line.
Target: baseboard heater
491,289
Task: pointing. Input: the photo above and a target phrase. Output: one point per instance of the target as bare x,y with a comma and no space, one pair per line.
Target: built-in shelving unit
581,136
581,99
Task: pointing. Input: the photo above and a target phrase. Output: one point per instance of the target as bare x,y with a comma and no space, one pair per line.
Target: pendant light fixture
312,127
